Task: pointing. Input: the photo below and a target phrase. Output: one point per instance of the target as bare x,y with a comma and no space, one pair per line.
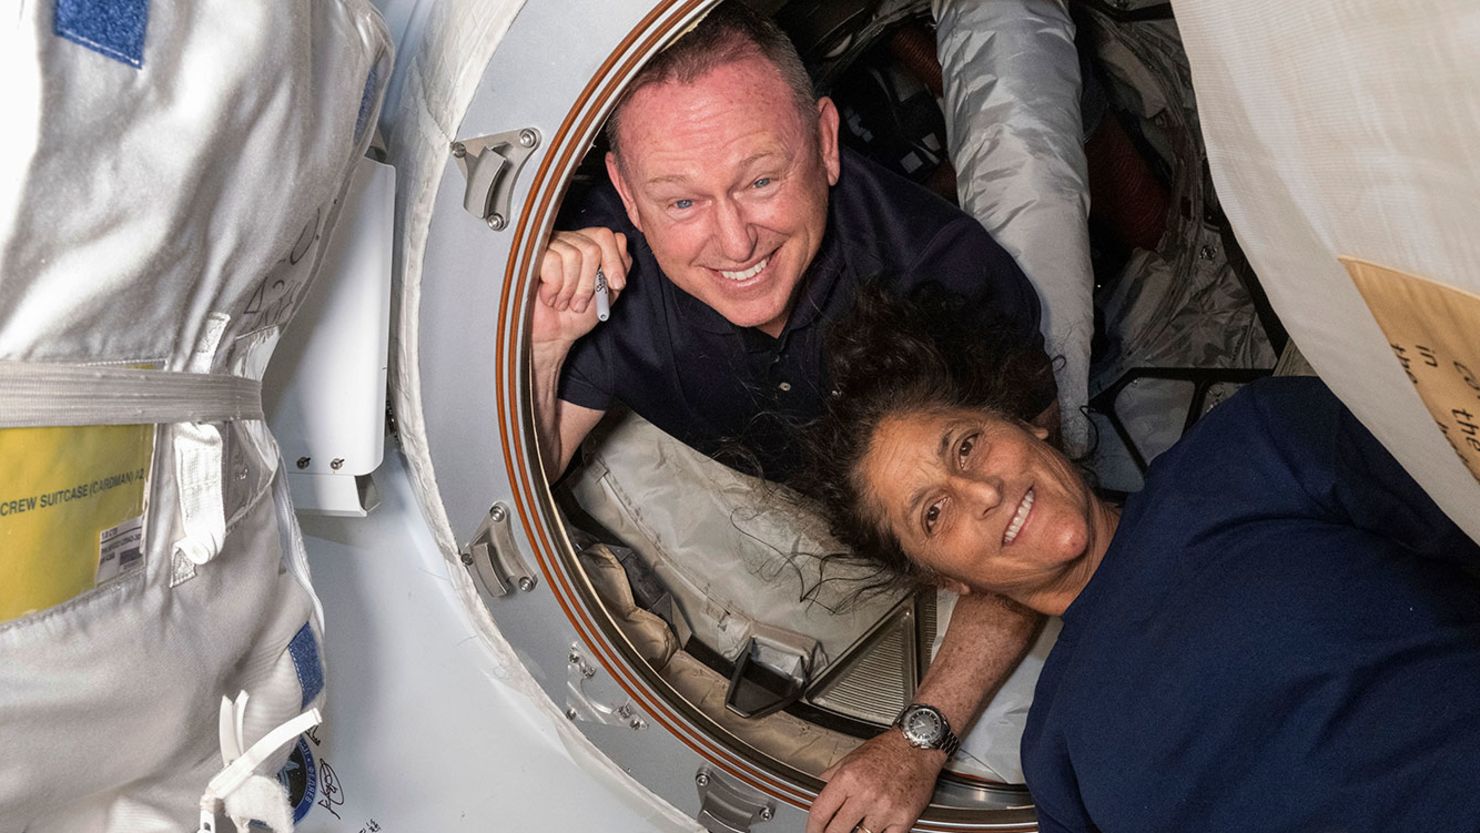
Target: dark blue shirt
1283,636
721,388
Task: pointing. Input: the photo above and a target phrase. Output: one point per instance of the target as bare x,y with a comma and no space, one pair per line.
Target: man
734,230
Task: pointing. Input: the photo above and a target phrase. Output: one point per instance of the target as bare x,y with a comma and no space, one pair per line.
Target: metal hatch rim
533,502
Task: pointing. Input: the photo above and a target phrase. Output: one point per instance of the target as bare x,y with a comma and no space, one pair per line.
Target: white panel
1339,128
325,398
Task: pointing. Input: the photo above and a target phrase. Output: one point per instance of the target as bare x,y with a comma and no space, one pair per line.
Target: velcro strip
304,649
110,27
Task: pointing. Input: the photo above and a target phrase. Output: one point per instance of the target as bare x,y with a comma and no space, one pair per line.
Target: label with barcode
120,549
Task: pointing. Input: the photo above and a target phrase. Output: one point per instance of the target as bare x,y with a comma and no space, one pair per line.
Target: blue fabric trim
109,27
302,756
367,101
304,649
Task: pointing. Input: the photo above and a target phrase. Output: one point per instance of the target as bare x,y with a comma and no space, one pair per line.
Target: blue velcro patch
111,27
367,101
304,650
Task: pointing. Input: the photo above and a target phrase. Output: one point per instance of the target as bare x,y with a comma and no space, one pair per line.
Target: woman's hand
880,787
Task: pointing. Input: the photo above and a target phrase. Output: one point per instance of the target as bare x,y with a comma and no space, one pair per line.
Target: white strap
198,477
242,767
206,344
39,395
36,394
198,452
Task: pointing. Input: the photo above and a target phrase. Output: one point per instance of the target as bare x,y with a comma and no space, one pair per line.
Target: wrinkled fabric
733,549
1181,305
1015,135
1348,129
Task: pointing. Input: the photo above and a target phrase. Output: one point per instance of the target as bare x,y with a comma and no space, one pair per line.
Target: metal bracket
590,697
771,672
1202,379
491,165
767,678
728,807
492,558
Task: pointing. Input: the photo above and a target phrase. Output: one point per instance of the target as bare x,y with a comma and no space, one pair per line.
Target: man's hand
564,311
882,786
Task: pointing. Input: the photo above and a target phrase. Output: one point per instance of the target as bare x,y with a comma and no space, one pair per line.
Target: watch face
923,725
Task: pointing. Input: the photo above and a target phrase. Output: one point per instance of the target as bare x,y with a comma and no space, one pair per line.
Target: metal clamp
726,806
491,165
492,558
593,697
772,671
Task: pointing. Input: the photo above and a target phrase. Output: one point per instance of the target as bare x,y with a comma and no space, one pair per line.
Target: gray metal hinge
726,806
491,165
492,558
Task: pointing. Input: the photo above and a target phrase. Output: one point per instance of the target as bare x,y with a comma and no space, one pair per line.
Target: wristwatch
926,728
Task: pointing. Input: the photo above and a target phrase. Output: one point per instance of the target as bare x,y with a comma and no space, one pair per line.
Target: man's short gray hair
729,32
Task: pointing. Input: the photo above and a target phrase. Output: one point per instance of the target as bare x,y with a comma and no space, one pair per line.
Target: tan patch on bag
1434,331
72,504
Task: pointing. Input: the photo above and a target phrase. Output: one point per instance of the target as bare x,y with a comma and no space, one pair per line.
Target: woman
1280,632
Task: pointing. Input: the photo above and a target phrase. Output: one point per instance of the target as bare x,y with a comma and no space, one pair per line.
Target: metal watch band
948,742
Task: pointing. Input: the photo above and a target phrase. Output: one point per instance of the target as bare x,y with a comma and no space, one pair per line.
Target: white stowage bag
1345,134
167,173
733,550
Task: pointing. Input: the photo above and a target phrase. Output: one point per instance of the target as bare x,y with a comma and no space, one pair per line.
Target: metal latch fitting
592,697
771,672
729,807
492,558
491,165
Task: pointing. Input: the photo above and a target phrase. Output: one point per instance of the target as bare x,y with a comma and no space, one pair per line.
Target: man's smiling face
729,184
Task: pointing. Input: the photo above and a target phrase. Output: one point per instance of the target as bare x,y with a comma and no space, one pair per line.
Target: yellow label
1434,331
71,510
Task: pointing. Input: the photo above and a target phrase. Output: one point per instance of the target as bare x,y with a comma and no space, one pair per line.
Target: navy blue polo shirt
1283,637
735,393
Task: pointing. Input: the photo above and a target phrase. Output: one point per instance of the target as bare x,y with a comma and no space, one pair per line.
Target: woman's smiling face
986,504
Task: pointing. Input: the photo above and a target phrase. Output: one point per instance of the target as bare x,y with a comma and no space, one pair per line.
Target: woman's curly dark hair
889,356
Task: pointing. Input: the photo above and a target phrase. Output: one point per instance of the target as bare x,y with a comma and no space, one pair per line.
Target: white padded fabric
1338,128
732,549
1016,139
